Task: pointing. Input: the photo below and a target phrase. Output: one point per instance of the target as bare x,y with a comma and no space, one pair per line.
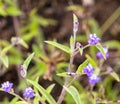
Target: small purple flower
28,93
100,56
93,79
88,70
7,86
93,39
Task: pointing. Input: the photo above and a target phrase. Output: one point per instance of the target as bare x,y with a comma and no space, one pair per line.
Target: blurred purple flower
93,39
93,79
7,86
100,56
88,70
28,93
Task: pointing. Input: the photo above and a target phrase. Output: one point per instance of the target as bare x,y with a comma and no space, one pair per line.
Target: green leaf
81,66
14,11
81,51
49,98
6,49
92,62
14,100
101,49
23,43
49,89
21,102
5,60
64,74
27,61
71,42
115,76
75,19
113,44
2,11
60,46
74,93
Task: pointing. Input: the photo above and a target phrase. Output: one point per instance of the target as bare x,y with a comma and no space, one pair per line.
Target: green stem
14,94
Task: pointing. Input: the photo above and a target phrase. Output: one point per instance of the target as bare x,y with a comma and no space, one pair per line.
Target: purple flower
100,56
7,86
93,79
28,93
88,70
93,39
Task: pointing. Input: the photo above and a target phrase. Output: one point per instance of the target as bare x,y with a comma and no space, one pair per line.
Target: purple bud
7,86
78,45
93,79
93,39
88,70
100,56
23,71
75,26
28,93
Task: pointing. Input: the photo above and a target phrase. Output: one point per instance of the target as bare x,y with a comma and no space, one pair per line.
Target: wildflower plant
37,94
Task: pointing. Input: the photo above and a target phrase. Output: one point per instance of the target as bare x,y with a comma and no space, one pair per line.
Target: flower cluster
93,39
7,87
88,70
28,93
93,78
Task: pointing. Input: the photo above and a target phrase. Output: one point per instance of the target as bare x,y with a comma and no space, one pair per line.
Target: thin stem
14,94
76,52
63,92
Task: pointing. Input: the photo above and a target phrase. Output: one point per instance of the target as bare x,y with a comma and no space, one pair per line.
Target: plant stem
14,94
63,92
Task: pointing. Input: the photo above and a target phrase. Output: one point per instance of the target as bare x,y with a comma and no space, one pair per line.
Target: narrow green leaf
49,98
115,76
27,61
36,100
5,60
74,93
5,50
113,44
92,62
21,102
49,89
101,49
64,74
75,19
81,66
71,42
14,11
81,51
2,12
37,96
23,43
60,46
14,100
